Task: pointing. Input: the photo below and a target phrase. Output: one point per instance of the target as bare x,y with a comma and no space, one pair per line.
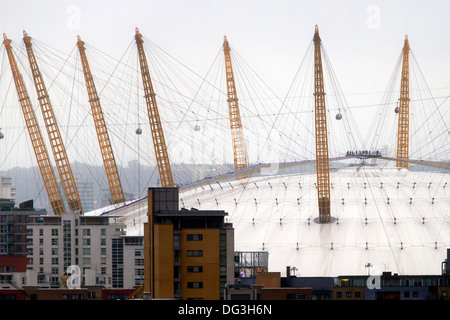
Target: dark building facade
13,226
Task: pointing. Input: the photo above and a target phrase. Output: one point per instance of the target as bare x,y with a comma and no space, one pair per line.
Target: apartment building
13,226
96,244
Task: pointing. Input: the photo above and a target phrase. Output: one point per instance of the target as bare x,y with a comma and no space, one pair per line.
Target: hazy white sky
363,38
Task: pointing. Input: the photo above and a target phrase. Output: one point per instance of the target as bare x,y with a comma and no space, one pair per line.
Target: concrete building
189,254
384,286
268,286
97,245
7,189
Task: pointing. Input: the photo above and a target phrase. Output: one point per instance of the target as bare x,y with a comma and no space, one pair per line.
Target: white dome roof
408,235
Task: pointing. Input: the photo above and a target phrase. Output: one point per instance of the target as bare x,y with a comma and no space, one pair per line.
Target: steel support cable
426,120
73,78
284,101
189,107
126,87
170,66
428,89
420,127
340,98
299,84
246,86
431,141
85,119
384,228
174,72
243,76
243,83
443,224
237,57
22,127
242,68
377,124
69,114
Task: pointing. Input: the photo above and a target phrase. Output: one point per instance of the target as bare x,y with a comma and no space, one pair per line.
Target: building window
72,297
406,294
41,232
296,296
195,253
357,294
86,232
54,241
339,294
86,261
195,269
415,294
117,263
87,251
195,285
103,251
41,241
138,262
139,272
41,261
55,271
103,232
54,232
103,270
54,251
194,237
176,240
348,294
103,260
103,242
55,261
86,241
138,253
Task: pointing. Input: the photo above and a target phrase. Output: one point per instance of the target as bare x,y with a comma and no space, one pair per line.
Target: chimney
288,276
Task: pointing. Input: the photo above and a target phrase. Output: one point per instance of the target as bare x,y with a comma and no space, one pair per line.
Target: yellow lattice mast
54,135
159,143
109,161
322,160
237,135
403,110
34,132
